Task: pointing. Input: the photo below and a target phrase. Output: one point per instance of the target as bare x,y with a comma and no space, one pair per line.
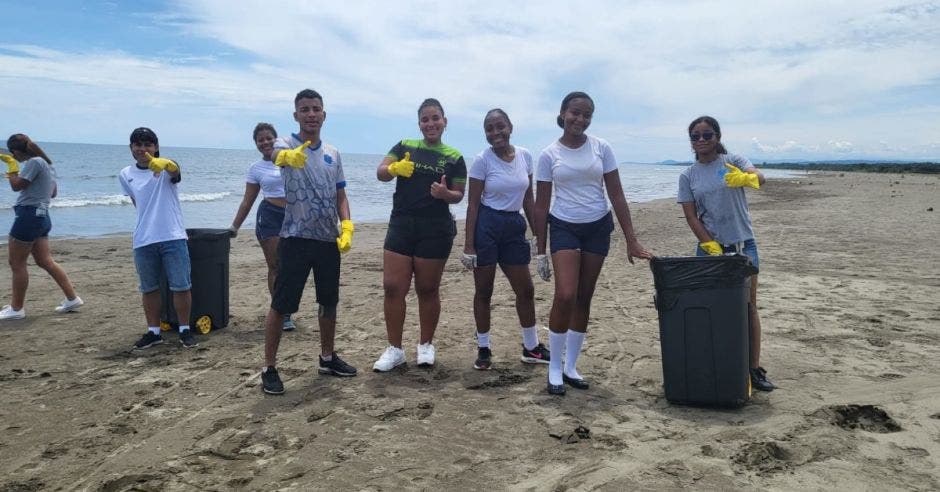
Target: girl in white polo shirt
579,168
264,177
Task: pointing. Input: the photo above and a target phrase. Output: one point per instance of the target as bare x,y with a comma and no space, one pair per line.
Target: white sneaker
9,313
390,359
69,306
426,354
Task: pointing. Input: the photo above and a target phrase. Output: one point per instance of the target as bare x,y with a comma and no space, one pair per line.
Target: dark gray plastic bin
703,328
208,256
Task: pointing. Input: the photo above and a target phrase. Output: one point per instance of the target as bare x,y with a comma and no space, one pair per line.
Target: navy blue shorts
30,224
420,237
296,258
590,237
269,220
500,238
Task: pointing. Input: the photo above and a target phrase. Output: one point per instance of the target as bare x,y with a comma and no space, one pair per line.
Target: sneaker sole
533,360
425,364
189,346
376,369
12,318
269,392
482,368
148,346
70,309
334,372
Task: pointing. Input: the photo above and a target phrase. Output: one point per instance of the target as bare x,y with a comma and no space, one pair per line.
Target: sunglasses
704,136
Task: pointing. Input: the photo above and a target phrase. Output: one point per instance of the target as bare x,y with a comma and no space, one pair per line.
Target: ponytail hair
21,143
712,122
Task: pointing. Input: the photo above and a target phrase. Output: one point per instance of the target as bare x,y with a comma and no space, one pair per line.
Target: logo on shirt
327,159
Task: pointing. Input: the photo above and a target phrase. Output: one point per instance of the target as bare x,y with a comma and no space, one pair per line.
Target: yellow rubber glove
712,248
344,241
403,168
736,178
159,164
293,157
12,165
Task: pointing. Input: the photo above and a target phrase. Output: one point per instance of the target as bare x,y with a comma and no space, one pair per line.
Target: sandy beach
850,304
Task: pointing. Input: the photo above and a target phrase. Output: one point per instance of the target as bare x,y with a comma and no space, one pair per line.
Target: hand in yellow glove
736,178
293,157
403,168
12,165
712,248
159,164
344,241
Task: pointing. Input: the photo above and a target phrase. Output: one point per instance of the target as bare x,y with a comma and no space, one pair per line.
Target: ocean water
91,203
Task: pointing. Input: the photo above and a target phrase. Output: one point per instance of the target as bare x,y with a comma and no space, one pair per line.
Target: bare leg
520,279
183,302
428,288
590,269
567,264
327,334
398,270
269,248
272,336
43,257
18,253
483,278
152,305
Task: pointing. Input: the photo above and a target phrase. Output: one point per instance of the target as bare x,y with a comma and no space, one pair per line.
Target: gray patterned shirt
311,192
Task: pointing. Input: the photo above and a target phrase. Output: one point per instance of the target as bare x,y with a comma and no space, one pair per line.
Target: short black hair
260,127
567,100
308,94
144,135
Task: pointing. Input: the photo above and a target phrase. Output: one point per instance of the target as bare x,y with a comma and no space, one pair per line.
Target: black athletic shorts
421,237
296,257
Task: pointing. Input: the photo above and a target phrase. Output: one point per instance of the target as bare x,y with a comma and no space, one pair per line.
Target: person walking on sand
315,198
265,177
30,173
160,248
501,186
579,168
711,193
429,176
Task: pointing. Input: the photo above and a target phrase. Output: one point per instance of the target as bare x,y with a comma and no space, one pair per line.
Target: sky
799,80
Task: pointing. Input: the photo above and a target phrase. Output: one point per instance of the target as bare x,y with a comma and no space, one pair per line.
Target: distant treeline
867,167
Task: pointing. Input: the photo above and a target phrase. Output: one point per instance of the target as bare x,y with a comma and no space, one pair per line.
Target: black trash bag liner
675,275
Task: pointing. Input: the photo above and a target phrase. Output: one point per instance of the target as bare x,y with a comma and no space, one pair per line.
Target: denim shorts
420,237
499,237
748,248
268,221
590,237
31,223
166,257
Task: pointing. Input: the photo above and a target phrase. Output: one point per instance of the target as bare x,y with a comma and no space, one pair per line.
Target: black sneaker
484,357
336,367
148,340
187,339
538,355
271,382
759,380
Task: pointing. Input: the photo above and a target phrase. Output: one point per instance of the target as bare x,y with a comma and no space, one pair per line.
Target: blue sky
787,80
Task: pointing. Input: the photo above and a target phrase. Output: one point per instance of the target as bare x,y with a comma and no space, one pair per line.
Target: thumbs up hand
439,189
293,157
403,168
736,178
12,165
159,164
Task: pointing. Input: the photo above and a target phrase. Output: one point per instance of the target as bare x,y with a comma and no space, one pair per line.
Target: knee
46,264
327,311
483,294
565,299
427,291
526,293
395,290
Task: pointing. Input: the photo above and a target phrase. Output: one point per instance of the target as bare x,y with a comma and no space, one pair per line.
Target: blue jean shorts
166,257
499,237
748,248
30,224
590,237
269,220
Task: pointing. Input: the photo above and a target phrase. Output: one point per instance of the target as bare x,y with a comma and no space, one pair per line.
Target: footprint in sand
865,417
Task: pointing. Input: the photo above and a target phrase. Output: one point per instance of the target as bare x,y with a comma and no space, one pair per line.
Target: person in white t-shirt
579,168
265,177
159,238
501,186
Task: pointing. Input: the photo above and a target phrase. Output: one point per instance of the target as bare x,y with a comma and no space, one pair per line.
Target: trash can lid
690,272
208,234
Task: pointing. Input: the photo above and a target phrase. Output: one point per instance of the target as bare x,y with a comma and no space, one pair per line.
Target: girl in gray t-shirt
711,192
30,173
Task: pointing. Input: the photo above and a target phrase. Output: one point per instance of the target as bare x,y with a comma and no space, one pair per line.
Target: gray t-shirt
723,210
311,192
41,182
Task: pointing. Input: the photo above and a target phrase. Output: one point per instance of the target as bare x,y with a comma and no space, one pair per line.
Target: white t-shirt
159,217
266,174
504,183
577,177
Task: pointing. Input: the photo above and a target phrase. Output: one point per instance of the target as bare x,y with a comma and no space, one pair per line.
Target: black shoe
759,380
187,339
538,355
575,383
148,340
271,382
555,389
336,367
484,359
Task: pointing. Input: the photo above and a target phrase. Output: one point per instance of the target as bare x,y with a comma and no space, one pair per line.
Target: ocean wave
120,200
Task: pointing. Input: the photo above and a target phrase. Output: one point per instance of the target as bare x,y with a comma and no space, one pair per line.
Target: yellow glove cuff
712,248
347,226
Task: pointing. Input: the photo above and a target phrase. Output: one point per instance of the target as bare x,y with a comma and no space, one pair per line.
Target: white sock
154,329
483,339
183,328
326,358
530,337
574,340
556,342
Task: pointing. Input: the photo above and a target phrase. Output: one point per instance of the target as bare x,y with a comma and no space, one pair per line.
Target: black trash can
703,328
208,256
